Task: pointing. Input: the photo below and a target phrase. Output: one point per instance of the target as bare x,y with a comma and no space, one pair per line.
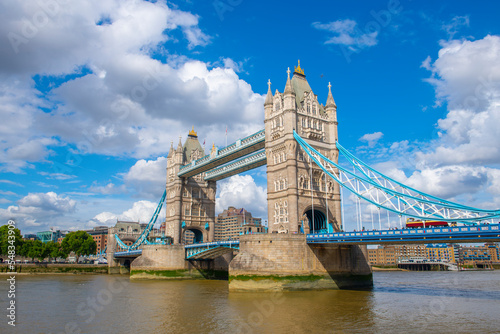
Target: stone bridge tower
300,198
190,201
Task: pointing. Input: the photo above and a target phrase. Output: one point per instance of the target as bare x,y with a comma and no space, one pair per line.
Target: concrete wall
287,262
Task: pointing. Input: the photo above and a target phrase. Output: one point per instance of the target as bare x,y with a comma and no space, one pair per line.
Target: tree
35,250
53,250
79,242
17,242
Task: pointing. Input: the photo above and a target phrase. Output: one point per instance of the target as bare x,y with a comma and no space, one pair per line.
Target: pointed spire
288,86
330,102
269,97
179,146
171,151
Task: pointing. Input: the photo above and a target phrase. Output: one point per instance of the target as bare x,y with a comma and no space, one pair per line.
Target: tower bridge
306,247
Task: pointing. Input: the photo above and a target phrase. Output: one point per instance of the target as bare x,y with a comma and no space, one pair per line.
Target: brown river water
400,302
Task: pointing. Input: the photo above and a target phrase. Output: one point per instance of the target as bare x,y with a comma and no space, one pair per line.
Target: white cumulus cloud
241,191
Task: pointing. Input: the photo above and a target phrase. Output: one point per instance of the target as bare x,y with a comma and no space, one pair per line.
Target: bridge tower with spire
301,199
191,200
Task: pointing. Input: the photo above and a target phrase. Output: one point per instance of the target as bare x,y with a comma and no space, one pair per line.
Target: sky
93,93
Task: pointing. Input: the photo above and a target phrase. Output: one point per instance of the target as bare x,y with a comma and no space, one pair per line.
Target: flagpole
226,135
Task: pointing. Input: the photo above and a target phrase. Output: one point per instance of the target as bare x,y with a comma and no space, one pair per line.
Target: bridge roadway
238,149
469,234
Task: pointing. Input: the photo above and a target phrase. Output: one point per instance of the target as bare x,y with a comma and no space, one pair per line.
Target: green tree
35,250
24,249
4,239
52,250
79,242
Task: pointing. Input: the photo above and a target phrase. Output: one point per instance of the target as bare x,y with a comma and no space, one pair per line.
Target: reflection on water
412,302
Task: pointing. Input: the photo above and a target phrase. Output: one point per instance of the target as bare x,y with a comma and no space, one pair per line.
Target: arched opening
319,221
192,236
126,264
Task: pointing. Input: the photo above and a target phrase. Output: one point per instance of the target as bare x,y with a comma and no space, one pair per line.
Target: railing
195,249
444,234
239,144
248,160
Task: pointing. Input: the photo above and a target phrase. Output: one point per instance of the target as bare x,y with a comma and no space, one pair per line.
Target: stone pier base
168,262
287,262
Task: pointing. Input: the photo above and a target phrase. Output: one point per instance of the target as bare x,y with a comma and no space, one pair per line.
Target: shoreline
388,269
54,268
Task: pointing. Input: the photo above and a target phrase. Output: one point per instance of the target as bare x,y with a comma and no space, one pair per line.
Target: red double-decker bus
418,223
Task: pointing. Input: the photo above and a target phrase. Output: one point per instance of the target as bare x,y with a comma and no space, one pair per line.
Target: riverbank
388,269
54,268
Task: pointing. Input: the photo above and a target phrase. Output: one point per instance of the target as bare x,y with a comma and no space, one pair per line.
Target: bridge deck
133,253
479,233
469,234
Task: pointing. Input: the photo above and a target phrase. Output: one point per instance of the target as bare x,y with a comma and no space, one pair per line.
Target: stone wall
287,262
168,262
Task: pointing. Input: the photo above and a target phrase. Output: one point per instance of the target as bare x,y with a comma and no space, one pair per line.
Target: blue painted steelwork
129,253
476,233
103,252
388,194
240,165
195,250
242,147
144,235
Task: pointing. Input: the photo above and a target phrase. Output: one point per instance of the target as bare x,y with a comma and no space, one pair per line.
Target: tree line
79,242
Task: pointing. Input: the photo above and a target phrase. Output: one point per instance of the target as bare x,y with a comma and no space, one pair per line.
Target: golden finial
192,133
298,69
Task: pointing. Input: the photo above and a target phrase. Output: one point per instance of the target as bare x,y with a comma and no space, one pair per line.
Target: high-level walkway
236,150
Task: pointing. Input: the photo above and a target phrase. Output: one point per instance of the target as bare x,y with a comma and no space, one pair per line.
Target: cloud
346,32
147,177
241,191
37,209
466,76
371,138
108,189
104,218
141,211
11,183
455,25
57,176
92,65
449,181
460,165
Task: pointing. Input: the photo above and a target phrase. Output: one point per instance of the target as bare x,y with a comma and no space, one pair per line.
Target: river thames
409,302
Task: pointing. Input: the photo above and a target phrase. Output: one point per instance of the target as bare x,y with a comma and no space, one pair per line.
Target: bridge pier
287,262
169,262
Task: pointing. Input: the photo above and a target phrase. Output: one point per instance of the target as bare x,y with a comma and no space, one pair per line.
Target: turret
331,107
171,151
289,94
178,152
268,104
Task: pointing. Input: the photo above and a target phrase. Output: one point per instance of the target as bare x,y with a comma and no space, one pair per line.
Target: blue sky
93,93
